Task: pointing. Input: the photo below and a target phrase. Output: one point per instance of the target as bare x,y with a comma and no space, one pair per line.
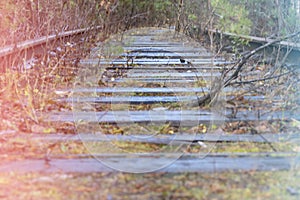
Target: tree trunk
178,27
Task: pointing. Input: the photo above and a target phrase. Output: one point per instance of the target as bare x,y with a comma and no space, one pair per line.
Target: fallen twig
244,59
222,83
262,79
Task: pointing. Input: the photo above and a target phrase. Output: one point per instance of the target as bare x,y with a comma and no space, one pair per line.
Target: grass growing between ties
36,147
223,185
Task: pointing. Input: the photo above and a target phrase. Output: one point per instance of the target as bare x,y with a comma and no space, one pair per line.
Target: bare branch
263,79
244,59
239,65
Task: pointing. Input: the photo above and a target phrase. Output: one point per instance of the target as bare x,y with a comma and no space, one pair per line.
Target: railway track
132,106
16,54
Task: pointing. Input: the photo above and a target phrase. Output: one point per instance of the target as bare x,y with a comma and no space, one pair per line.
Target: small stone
292,191
160,109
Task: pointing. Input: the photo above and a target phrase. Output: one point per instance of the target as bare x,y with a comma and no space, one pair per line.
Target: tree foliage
232,17
24,19
271,17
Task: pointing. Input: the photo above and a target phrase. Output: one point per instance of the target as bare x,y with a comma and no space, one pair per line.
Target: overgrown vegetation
225,185
28,89
41,17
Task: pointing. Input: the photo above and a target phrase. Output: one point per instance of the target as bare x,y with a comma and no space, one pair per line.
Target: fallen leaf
41,129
